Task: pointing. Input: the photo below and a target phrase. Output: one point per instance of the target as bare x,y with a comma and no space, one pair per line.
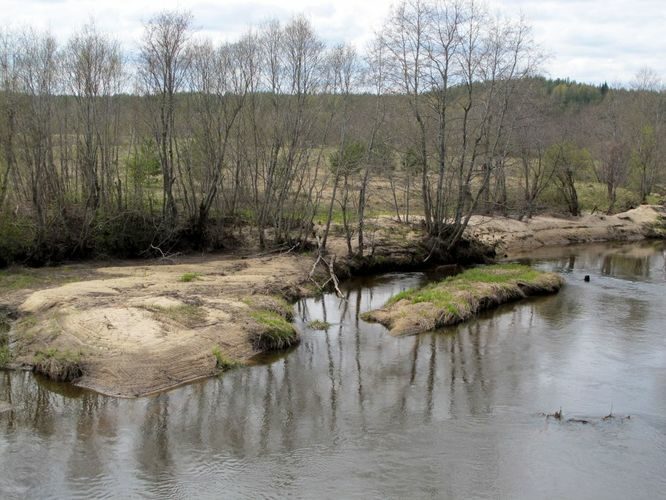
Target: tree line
189,141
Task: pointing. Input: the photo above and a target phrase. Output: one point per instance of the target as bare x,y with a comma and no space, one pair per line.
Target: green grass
273,303
319,325
656,199
18,280
276,332
433,294
187,277
594,195
24,278
442,292
186,314
224,362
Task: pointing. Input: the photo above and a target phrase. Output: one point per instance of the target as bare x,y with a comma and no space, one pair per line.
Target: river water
354,412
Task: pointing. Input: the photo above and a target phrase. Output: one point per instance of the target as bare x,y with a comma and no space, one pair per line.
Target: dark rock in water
587,278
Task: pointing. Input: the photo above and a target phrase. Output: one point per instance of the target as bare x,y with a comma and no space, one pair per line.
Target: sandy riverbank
513,236
140,329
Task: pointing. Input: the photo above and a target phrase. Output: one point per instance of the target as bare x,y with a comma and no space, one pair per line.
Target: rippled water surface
356,412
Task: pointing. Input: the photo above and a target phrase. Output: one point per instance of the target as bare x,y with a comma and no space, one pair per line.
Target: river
354,412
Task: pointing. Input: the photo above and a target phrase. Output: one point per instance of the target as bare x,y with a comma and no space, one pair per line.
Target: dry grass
61,366
460,297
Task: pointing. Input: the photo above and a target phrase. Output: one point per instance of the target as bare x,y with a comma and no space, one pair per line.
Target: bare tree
404,36
93,69
9,109
343,66
164,62
220,79
460,70
37,71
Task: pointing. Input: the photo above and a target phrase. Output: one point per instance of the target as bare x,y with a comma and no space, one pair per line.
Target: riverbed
353,411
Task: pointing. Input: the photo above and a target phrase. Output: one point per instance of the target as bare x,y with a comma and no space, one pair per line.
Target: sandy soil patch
143,329
513,236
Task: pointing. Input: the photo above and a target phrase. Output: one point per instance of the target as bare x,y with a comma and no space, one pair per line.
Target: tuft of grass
273,303
187,277
276,332
319,325
224,362
61,366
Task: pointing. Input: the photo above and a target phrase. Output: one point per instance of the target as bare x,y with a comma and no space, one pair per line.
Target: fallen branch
330,265
165,257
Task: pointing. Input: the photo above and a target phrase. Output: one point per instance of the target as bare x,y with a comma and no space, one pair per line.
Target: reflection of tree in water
153,450
87,458
7,417
267,419
353,381
622,265
571,264
42,410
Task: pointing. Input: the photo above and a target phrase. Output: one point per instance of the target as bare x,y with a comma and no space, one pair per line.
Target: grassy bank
458,298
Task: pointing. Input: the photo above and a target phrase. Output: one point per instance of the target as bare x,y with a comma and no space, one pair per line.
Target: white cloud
597,40
589,40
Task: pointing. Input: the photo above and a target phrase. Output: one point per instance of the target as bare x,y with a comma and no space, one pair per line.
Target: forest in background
279,139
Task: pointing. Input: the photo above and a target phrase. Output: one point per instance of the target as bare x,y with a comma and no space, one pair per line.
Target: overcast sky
587,40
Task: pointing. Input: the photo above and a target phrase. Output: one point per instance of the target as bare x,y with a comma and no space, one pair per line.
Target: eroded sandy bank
513,236
143,329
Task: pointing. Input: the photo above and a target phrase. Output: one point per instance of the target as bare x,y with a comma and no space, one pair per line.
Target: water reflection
354,411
